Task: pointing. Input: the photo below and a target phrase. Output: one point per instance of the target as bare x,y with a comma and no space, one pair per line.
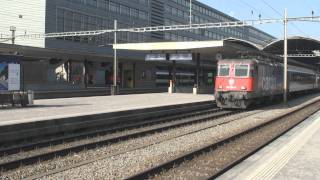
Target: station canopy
36,53
303,48
297,46
227,47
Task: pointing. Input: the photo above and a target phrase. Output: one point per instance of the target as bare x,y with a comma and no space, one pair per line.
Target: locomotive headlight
243,88
220,87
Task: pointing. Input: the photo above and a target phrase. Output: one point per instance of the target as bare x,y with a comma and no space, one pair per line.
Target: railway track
111,128
45,150
212,160
143,146
28,132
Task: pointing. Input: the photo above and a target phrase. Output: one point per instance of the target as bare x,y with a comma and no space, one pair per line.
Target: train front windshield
241,70
224,70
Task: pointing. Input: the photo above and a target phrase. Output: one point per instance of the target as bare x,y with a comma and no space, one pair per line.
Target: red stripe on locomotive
229,79
234,84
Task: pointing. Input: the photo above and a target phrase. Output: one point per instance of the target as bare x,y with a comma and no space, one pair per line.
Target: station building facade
48,16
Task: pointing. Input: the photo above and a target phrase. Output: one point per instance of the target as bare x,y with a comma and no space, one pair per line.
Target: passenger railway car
242,82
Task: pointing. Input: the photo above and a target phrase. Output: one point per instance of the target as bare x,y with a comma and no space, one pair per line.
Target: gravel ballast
128,163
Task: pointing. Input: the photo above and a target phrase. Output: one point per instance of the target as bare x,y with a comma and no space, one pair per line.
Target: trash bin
30,97
195,89
114,90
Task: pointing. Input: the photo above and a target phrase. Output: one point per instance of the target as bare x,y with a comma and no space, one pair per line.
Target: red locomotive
242,82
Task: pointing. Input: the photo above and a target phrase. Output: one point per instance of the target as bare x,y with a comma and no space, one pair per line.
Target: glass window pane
241,70
115,7
125,10
134,13
224,70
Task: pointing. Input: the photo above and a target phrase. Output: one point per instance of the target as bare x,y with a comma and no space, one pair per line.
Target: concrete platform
296,155
71,107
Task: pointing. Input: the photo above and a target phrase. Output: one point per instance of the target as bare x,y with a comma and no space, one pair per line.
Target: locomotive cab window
224,70
241,70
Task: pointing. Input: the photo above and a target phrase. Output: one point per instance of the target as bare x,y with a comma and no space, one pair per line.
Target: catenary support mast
285,56
114,88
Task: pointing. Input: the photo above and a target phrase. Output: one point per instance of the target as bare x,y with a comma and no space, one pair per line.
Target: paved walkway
69,107
296,155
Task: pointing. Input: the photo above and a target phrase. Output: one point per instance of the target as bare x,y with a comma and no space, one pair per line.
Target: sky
242,10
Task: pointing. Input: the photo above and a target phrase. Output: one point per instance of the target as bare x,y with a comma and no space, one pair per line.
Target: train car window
241,70
253,71
224,70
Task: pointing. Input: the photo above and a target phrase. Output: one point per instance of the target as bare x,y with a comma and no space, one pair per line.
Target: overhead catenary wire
254,8
277,12
169,28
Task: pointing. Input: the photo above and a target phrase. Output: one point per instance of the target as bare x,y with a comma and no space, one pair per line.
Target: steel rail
86,162
110,128
190,155
91,145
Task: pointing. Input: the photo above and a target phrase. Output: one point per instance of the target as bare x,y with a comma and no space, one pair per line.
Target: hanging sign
156,57
181,57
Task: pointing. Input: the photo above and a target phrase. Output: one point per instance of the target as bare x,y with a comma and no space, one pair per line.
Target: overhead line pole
190,20
285,51
13,33
114,88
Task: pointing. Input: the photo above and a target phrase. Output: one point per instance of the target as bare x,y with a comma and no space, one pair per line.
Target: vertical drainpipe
174,75
134,75
198,70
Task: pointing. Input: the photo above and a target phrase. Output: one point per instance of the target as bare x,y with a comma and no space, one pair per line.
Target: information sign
156,57
181,57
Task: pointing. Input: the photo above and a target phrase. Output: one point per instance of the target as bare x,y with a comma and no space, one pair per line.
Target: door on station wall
128,76
210,79
128,79
109,77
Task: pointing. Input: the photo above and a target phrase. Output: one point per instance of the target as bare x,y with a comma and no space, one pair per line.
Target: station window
124,10
92,3
224,70
134,13
241,70
114,7
103,4
146,2
143,15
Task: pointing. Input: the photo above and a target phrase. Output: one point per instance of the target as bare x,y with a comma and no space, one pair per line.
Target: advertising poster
14,77
4,76
9,77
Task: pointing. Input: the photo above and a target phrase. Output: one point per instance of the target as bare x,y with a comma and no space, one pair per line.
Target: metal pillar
190,20
86,78
22,76
174,78
198,70
285,63
114,87
13,33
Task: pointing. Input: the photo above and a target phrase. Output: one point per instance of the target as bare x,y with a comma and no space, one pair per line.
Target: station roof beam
302,49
